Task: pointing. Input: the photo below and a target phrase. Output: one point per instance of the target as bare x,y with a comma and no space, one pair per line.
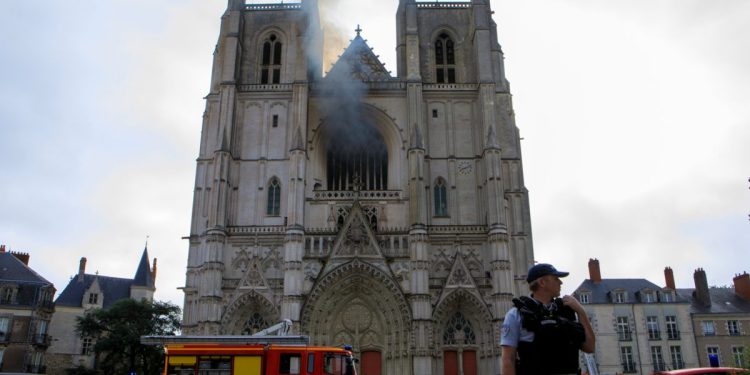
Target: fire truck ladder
263,337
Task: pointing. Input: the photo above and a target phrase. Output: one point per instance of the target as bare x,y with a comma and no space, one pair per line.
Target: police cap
543,269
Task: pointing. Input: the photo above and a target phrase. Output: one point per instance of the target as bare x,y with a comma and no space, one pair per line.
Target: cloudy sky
635,116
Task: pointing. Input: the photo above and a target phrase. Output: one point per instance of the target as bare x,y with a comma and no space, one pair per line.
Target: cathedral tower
384,212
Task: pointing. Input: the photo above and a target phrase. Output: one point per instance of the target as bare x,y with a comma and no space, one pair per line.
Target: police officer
541,334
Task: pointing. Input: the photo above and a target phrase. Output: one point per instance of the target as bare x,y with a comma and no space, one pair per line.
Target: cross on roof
358,29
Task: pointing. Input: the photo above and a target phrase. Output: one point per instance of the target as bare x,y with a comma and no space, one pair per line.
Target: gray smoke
342,88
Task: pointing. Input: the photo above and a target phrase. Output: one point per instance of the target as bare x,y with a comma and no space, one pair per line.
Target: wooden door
371,363
450,363
470,362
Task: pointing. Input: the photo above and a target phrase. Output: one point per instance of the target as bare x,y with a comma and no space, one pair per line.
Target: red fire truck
251,355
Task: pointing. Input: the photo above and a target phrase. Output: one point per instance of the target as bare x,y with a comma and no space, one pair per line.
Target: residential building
384,211
25,312
640,327
83,293
721,320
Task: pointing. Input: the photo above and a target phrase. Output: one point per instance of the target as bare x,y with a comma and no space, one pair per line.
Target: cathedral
384,212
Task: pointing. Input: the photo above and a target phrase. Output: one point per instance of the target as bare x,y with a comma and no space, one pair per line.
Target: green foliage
117,331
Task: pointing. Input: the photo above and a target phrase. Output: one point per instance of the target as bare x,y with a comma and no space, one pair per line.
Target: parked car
706,371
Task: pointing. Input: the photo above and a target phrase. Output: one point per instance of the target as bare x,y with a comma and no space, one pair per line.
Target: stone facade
640,327
389,213
721,317
25,312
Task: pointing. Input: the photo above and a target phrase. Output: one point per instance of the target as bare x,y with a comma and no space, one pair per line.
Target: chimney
742,286
701,293
594,273
153,272
669,278
81,268
23,257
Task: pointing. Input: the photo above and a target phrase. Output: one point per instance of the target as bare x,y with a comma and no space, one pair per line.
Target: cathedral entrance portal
359,304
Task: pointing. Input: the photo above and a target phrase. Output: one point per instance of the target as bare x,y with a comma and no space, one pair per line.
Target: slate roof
358,62
143,276
600,292
13,270
723,301
113,289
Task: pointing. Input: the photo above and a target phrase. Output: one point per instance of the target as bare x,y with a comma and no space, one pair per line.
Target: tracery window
440,198
445,59
255,324
270,66
458,324
273,207
357,158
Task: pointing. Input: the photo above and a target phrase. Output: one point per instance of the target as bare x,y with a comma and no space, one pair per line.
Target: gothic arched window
274,198
445,60
255,324
458,325
270,66
441,198
357,157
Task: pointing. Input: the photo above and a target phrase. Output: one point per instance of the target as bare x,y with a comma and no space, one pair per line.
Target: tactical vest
557,339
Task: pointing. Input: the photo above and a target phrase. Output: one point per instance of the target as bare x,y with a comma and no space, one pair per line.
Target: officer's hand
573,303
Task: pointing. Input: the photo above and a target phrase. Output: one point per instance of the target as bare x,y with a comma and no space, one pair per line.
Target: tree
117,331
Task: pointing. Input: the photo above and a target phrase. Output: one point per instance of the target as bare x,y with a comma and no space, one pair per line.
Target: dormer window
93,298
270,66
585,297
667,297
620,297
648,296
445,60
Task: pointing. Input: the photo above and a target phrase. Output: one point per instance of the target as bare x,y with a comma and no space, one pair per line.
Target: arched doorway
465,340
360,305
459,346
